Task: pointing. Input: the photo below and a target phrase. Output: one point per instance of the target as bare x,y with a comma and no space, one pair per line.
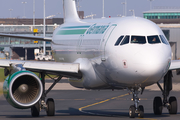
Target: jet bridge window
138,39
126,40
164,40
153,39
119,40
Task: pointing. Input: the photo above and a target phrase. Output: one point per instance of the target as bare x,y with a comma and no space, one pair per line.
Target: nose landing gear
136,108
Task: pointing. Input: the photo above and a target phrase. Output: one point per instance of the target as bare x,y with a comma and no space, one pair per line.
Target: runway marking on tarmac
81,109
147,118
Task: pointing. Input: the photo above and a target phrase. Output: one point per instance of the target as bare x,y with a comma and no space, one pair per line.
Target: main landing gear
49,105
170,104
136,108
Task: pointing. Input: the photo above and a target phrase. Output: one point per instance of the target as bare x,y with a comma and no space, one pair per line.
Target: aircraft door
105,39
79,50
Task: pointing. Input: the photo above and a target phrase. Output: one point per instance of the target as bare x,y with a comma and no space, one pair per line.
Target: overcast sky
53,7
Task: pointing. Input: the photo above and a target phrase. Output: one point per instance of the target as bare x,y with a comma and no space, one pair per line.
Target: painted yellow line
80,109
145,80
79,99
146,118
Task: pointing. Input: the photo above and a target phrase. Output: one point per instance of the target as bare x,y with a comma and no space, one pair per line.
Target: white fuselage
104,62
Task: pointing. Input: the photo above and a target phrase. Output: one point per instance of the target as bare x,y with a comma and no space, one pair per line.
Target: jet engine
22,89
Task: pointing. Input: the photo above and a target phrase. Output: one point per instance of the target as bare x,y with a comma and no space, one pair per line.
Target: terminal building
13,48
168,19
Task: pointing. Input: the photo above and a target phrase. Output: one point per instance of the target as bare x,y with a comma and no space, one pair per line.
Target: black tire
141,111
157,106
38,59
173,105
43,59
132,111
35,110
50,107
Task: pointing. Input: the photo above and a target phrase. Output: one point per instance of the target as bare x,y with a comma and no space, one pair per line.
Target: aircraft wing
57,68
37,38
175,64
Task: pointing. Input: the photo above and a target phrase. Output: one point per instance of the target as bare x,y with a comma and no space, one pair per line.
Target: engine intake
22,89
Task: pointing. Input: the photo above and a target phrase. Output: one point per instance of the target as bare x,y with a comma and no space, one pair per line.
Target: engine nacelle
22,89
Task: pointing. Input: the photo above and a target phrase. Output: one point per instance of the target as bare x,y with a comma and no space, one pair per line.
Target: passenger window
119,40
125,41
138,39
153,39
164,40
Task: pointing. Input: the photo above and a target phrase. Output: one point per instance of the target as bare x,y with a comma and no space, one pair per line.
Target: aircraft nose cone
151,63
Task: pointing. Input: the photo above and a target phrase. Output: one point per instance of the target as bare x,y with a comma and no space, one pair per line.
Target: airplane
109,53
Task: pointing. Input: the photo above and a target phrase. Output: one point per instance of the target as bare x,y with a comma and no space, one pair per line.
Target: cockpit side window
119,40
153,39
164,40
138,39
126,40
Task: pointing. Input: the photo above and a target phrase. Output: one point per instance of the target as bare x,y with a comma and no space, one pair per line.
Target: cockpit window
164,40
119,40
126,40
153,39
138,39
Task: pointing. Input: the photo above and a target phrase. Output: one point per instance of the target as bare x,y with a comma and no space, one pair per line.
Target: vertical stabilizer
70,12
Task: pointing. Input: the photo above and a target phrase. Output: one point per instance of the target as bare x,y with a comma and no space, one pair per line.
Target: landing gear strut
170,104
136,108
49,105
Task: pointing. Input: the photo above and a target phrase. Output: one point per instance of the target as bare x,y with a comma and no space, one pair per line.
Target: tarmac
79,104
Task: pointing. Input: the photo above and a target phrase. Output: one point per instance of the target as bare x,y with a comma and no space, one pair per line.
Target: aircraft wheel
157,106
141,111
50,107
173,105
35,110
132,111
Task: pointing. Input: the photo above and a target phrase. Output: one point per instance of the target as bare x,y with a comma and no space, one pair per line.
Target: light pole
133,13
103,9
150,4
124,7
10,10
34,11
24,9
78,6
44,35
123,3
